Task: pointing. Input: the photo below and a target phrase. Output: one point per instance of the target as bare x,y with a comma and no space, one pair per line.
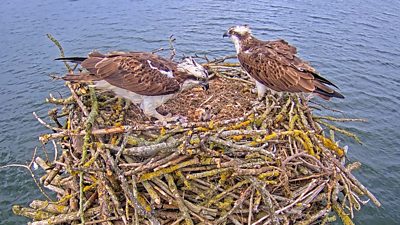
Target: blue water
356,44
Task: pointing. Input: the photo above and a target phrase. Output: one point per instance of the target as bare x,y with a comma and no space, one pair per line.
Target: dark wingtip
323,80
338,95
71,59
328,95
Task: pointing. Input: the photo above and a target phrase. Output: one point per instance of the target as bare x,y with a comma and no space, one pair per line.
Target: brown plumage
138,72
144,78
274,64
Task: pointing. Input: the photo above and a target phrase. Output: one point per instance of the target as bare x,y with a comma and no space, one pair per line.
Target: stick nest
232,160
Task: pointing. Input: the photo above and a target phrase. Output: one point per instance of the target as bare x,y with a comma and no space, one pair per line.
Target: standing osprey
143,78
274,64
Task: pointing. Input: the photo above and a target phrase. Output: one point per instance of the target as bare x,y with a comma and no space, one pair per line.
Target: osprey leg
151,103
261,89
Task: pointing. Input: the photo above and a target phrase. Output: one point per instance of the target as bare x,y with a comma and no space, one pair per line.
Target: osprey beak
226,34
204,85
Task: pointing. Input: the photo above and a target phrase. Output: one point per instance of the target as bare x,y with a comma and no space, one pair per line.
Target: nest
233,160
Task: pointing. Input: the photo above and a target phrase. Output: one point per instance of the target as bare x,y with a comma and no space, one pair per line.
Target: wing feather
274,64
131,71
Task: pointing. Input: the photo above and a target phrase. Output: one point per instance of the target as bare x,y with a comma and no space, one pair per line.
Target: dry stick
55,151
340,130
314,217
171,41
28,167
49,207
45,124
90,201
234,146
220,74
61,50
151,175
222,59
227,191
171,47
128,193
207,173
55,189
146,151
315,192
66,218
31,213
165,191
342,214
356,182
140,127
178,221
54,172
122,147
266,197
249,218
303,195
311,185
179,200
228,133
152,165
235,221
103,220
302,154
115,201
238,203
135,195
152,193
78,100
331,118
64,133
66,101
89,123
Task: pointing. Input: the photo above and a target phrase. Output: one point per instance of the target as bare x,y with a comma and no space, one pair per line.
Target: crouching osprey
274,64
143,78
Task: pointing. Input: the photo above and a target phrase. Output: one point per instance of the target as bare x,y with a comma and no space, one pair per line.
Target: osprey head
198,74
237,35
238,32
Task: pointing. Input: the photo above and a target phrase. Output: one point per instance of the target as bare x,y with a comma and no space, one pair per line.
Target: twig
61,50
238,203
28,167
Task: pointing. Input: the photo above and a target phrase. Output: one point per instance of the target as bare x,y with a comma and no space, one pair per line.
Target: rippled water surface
356,44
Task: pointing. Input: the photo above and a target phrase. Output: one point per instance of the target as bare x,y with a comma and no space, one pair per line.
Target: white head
189,65
237,34
198,72
240,30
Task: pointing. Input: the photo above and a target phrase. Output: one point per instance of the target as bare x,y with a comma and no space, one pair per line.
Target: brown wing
139,72
273,66
287,54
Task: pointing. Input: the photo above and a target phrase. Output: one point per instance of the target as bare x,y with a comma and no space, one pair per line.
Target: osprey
143,78
274,64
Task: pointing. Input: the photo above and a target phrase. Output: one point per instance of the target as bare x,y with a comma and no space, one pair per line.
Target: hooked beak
205,85
226,34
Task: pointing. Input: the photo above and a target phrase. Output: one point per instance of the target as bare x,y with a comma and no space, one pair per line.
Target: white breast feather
236,41
135,98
